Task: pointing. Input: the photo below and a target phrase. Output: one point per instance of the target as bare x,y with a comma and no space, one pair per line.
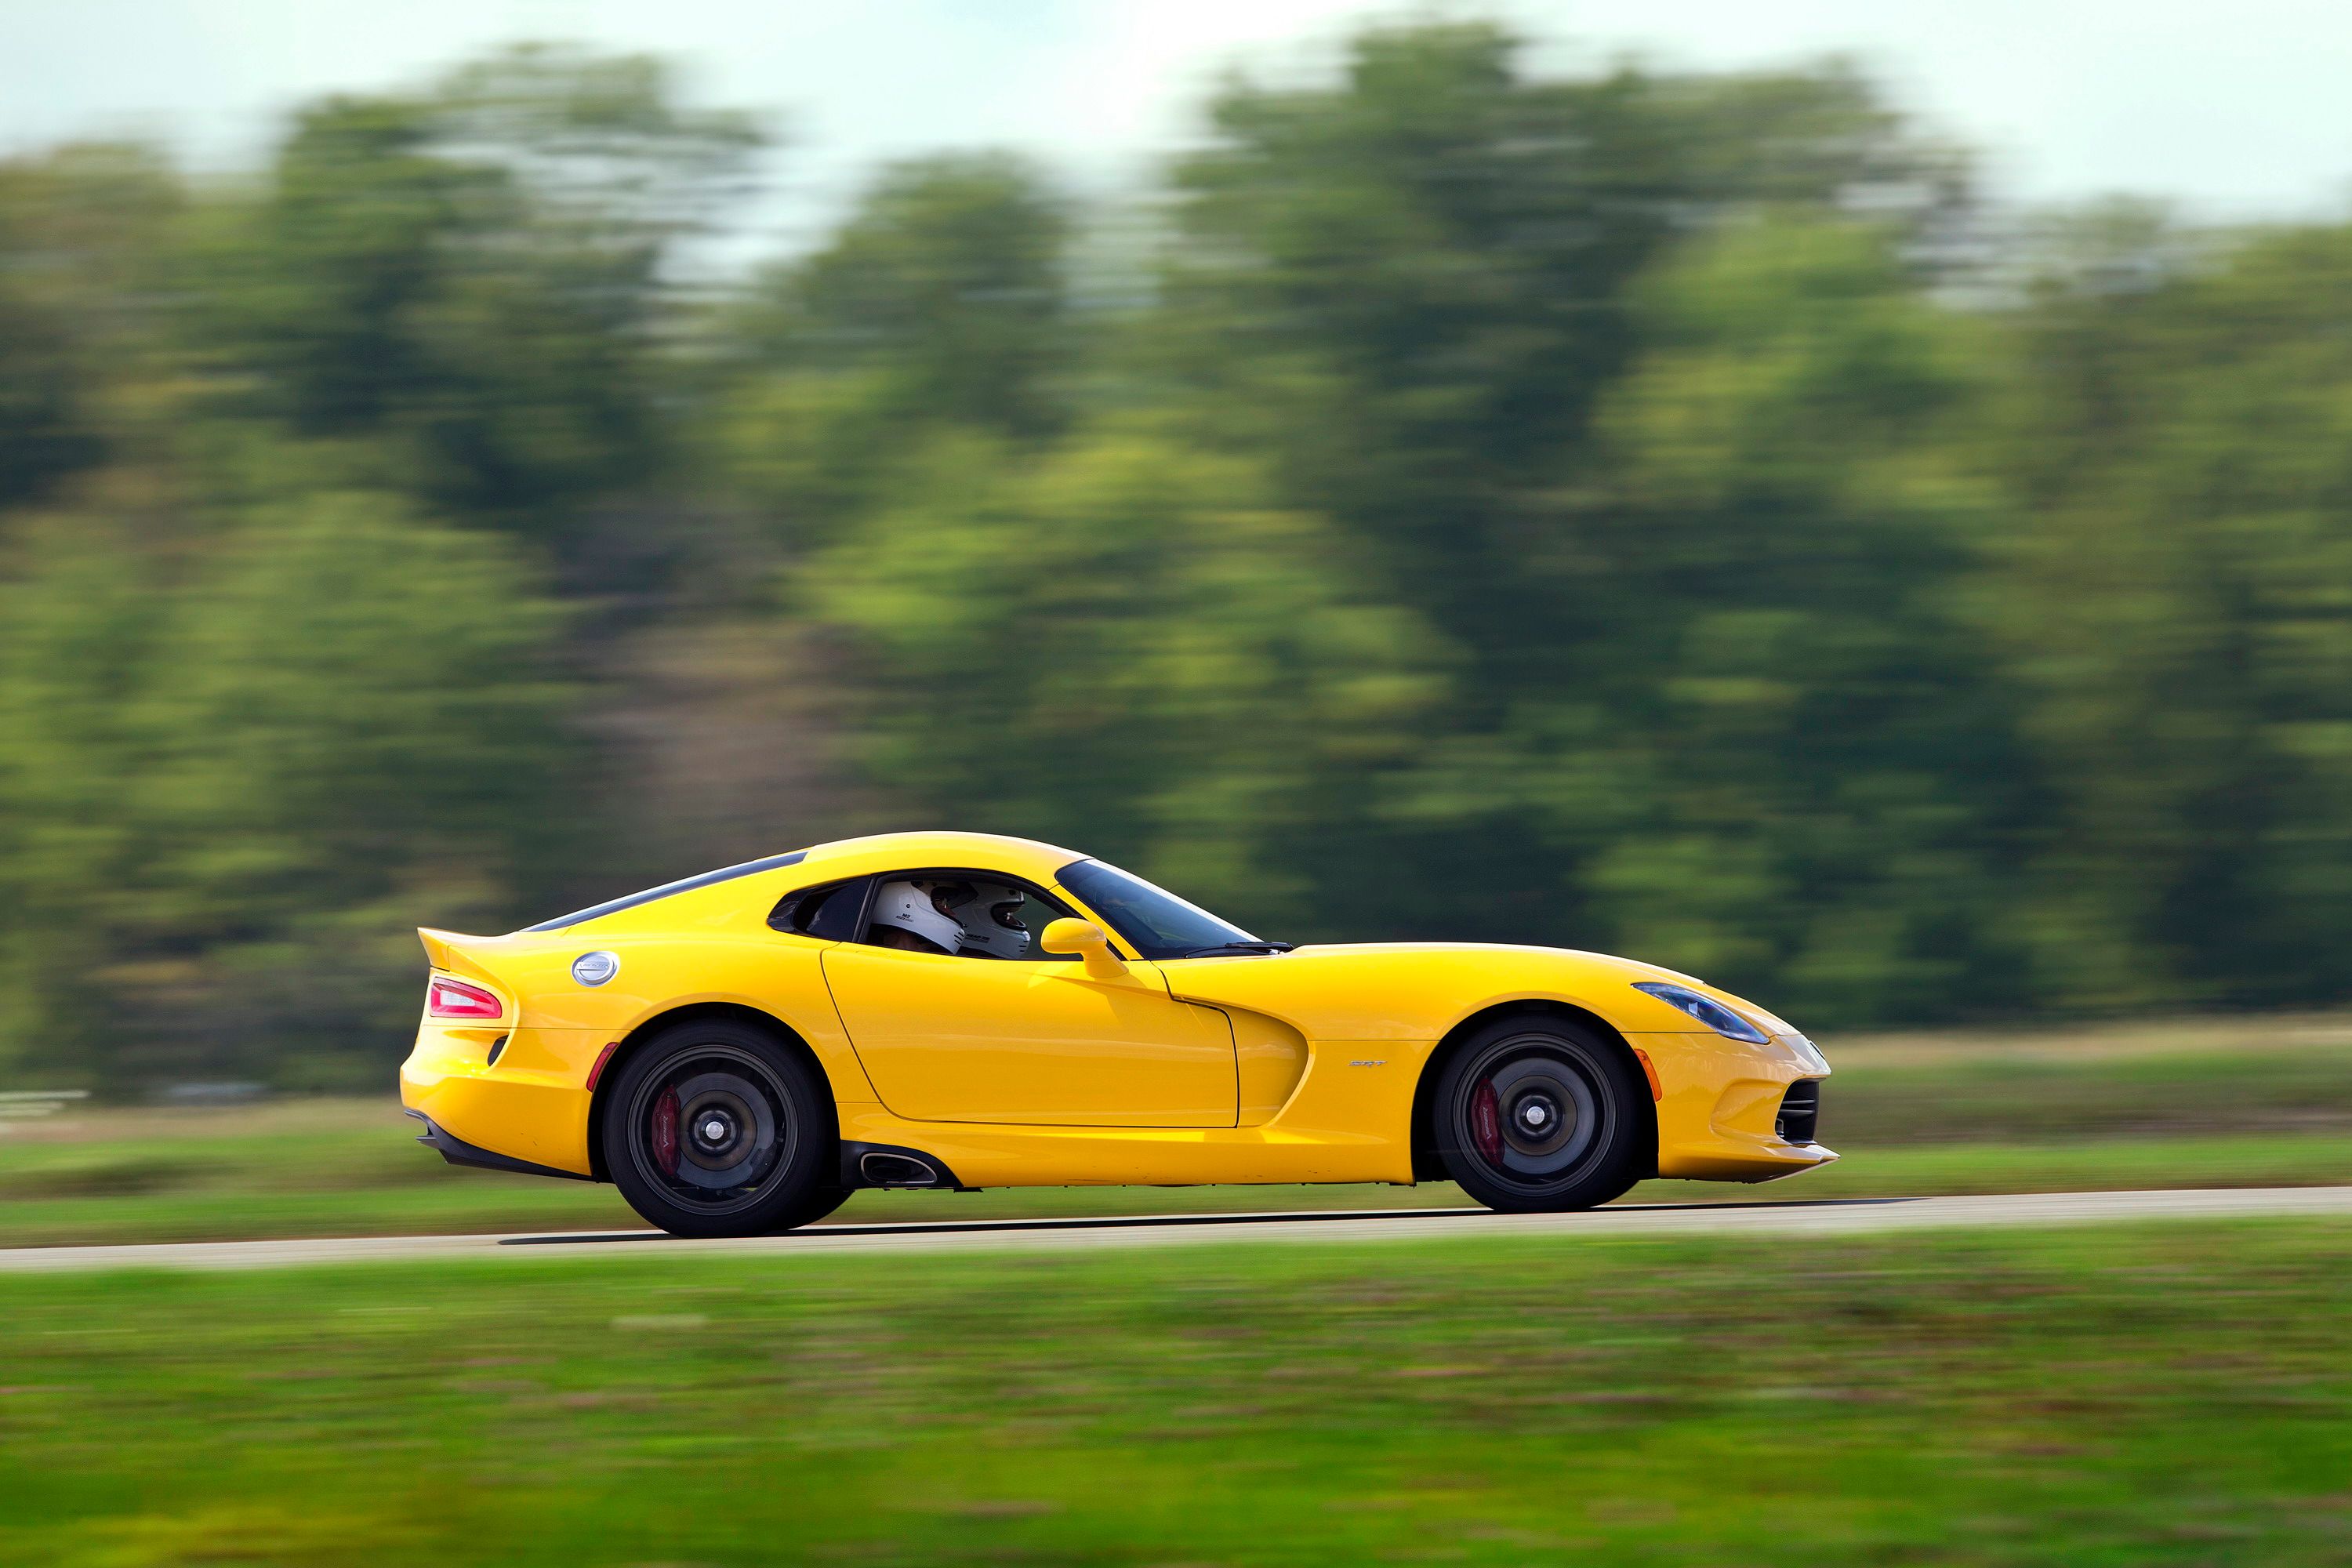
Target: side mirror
1085,939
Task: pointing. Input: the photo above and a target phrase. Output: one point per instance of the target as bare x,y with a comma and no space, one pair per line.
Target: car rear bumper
531,1108
457,1151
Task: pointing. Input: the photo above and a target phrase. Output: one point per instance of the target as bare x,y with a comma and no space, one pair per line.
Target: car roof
910,851
690,896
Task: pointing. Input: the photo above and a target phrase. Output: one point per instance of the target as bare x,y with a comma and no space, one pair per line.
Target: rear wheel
716,1129
1535,1115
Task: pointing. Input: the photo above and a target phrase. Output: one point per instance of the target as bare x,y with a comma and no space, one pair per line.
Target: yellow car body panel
1293,1066
949,1039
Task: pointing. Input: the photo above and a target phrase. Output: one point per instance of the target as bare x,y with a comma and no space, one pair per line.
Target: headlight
1706,1010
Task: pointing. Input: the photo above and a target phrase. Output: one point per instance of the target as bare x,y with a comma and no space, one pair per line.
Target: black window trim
792,895
668,890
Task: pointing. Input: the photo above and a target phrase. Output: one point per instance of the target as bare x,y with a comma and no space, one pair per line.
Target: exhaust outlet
897,1171
895,1165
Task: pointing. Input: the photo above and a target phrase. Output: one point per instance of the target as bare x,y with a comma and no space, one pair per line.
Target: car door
1036,1041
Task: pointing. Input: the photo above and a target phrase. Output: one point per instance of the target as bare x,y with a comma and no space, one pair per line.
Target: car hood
1455,949
1417,990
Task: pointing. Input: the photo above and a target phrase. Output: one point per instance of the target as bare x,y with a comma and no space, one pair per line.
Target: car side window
828,911
965,914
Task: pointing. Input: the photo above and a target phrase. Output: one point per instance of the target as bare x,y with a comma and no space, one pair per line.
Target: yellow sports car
738,1051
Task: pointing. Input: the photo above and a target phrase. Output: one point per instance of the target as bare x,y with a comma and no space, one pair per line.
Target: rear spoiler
448,950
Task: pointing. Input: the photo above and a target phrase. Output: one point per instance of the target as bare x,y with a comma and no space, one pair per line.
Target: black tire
1537,1115
744,1144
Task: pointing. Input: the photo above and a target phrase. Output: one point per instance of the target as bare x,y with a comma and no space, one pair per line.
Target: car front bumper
1719,1106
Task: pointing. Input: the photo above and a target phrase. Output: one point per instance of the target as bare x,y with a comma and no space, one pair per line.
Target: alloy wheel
713,1129
1535,1114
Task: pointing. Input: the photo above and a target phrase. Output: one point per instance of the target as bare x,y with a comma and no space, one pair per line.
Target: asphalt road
1829,1217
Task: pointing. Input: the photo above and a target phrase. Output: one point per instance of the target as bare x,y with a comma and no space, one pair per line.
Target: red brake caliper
665,1130
1486,1123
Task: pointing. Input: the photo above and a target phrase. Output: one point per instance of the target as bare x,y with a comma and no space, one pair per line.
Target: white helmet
906,907
991,924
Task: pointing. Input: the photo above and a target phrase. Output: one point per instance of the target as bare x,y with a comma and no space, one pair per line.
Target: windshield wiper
1238,947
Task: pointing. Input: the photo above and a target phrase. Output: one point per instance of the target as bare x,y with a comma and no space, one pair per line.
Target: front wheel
716,1129
1535,1115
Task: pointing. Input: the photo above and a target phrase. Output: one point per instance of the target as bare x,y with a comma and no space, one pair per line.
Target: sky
2235,112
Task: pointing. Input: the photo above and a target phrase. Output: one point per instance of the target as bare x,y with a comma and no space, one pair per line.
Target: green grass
2182,1078
2158,1395
2251,1101
2238,1160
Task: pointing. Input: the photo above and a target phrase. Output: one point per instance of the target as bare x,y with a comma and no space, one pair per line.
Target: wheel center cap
714,1131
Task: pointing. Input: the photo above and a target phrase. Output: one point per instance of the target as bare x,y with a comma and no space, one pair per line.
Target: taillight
450,998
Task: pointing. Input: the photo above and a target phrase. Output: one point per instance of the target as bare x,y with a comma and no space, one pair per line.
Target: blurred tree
263,717
949,278
81,232
473,276
940,305
1413,289
1125,646
229,783
1809,780
2180,604
1422,294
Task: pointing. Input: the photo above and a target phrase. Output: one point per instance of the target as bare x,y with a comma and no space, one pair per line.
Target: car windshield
1155,921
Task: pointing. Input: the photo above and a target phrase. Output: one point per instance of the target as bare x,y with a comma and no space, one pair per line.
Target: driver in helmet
990,917
949,917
